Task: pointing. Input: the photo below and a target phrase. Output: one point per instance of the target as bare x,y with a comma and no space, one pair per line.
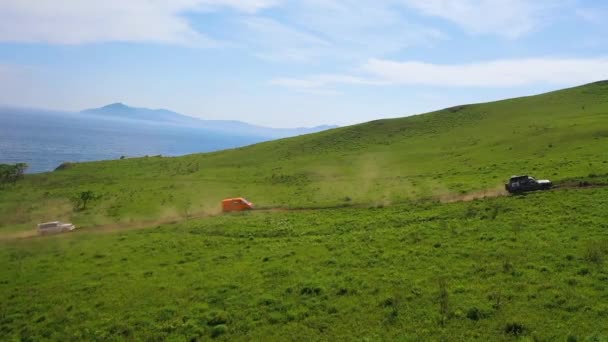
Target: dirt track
497,191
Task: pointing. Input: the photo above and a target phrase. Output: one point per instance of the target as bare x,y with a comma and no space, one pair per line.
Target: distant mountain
122,111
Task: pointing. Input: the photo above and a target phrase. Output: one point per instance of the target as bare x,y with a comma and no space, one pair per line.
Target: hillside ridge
121,110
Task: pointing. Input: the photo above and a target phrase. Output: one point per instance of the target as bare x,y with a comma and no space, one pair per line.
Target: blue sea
44,140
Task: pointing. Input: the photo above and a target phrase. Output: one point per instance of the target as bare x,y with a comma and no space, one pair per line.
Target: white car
55,227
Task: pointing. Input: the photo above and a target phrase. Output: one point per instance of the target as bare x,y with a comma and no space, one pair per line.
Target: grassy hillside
526,266
532,267
558,135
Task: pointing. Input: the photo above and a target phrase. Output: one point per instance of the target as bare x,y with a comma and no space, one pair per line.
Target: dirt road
497,191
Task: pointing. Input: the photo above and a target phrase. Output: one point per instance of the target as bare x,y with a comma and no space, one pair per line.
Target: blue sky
287,63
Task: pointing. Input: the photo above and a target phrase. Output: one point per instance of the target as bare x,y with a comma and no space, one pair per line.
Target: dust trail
19,235
170,217
497,191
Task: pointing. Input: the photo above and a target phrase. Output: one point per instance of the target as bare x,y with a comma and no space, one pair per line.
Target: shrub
515,329
342,291
311,291
389,302
11,173
475,314
392,316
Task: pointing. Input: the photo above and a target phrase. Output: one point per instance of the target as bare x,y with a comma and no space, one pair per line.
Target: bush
342,292
389,302
311,291
11,173
475,314
515,329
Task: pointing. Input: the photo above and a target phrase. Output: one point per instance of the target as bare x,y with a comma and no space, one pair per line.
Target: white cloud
357,29
304,30
498,73
249,6
78,21
320,81
508,18
270,39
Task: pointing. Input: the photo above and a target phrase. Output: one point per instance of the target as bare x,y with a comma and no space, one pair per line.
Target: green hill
558,135
531,267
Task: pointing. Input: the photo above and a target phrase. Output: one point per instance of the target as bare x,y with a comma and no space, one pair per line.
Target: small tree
85,197
4,173
19,171
11,173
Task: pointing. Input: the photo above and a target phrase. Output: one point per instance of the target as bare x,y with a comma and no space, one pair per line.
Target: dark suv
519,184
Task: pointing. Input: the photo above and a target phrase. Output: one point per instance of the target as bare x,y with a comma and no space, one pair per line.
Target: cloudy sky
287,63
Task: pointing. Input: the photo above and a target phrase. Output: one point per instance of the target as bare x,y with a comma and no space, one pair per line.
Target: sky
292,63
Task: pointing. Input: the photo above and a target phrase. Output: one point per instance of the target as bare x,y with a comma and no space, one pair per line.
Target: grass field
526,266
395,263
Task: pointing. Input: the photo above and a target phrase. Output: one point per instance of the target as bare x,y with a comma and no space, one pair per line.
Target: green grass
402,266
531,265
558,135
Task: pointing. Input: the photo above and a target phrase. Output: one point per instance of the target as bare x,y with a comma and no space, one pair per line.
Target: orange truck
236,204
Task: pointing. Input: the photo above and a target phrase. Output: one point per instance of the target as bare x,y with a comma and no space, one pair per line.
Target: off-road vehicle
55,227
519,184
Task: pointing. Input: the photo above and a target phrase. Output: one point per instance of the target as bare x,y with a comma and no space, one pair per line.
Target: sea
44,140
